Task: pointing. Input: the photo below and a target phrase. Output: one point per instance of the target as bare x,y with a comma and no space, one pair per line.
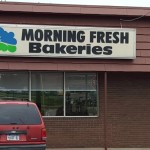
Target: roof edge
73,9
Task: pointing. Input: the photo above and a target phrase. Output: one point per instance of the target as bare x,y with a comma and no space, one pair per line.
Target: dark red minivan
21,126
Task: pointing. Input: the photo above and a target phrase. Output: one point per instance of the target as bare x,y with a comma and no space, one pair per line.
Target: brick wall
128,122
129,109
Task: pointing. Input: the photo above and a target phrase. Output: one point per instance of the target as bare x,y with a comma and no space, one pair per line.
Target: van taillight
43,134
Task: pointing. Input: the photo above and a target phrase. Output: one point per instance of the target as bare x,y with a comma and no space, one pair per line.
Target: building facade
86,67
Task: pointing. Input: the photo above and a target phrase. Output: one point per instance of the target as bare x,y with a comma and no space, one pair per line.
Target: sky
136,3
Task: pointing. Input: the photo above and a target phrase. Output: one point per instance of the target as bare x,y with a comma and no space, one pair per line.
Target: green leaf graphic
3,47
11,48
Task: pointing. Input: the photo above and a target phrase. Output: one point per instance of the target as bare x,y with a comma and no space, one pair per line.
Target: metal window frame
64,91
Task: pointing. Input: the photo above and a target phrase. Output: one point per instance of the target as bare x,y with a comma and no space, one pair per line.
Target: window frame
97,91
29,74
19,72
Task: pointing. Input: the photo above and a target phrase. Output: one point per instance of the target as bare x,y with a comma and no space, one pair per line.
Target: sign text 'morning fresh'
56,41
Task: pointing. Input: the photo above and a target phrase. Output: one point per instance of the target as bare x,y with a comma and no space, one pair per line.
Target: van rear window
25,114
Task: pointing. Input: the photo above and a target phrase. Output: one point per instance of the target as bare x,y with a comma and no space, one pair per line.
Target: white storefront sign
67,41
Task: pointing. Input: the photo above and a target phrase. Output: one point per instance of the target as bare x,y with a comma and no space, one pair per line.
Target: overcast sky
138,3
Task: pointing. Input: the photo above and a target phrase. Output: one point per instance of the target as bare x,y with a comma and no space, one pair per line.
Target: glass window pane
14,86
47,92
19,114
81,94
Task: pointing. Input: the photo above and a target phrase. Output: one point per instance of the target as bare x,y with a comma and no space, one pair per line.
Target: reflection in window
14,86
47,92
53,92
81,94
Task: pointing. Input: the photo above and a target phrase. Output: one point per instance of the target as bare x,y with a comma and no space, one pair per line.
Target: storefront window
14,86
47,92
55,93
81,94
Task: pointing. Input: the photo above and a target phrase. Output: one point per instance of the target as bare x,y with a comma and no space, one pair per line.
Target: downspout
105,110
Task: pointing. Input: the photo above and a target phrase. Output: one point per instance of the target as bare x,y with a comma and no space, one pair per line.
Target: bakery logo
7,41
